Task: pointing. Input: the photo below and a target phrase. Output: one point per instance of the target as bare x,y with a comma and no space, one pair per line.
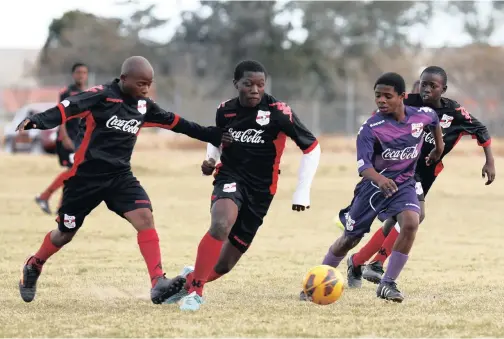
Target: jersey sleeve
365,148
474,127
292,126
76,106
158,117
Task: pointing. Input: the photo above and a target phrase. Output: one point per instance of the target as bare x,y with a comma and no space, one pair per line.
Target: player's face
387,99
80,75
251,88
137,84
431,87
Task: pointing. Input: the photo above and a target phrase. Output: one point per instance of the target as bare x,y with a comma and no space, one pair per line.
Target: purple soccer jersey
391,147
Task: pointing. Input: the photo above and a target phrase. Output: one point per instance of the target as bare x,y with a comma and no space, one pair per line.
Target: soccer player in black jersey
114,115
68,135
455,122
247,176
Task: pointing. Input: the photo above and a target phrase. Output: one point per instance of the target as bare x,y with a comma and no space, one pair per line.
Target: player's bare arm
488,169
386,185
436,153
65,139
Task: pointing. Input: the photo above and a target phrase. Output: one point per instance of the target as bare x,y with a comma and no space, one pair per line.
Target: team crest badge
263,117
446,121
417,129
142,106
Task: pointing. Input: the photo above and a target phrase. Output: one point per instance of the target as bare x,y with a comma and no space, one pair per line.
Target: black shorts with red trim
426,175
122,193
65,157
252,208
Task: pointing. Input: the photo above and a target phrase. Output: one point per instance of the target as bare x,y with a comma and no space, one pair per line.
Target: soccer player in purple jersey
388,147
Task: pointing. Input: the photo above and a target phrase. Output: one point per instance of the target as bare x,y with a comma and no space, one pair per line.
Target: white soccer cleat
183,292
191,302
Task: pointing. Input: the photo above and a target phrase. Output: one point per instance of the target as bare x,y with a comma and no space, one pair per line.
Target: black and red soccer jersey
259,135
113,121
455,122
72,126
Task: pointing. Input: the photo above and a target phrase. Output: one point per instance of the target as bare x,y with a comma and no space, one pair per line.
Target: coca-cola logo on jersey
429,138
407,153
250,136
130,126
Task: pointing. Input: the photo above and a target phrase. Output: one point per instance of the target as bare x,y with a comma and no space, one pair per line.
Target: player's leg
373,272
79,200
42,199
128,199
405,205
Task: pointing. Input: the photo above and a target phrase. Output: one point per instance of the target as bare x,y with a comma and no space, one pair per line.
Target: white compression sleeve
213,152
307,170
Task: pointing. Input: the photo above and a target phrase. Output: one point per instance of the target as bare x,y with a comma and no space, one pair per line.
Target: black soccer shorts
122,193
66,157
252,207
423,184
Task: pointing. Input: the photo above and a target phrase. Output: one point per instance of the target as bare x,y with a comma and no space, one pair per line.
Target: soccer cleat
191,302
303,296
389,291
373,272
43,204
28,282
165,288
354,274
183,292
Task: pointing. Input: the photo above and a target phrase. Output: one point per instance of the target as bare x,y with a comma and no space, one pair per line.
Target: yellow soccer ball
323,285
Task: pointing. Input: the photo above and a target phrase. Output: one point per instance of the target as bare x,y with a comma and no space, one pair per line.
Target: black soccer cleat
28,282
43,204
389,291
373,272
303,296
165,288
354,274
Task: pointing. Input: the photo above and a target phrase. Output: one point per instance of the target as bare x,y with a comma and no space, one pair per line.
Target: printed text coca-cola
250,136
407,153
130,126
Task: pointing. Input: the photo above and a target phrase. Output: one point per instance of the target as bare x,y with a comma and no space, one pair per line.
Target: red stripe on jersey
81,152
170,126
113,100
311,148
279,143
80,115
63,114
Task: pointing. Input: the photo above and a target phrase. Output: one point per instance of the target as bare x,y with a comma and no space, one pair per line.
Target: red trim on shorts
486,143
81,152
279,143
142,202
311,148
439,168
113,100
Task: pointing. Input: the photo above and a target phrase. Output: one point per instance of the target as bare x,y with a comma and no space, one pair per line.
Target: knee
220,226
409,227
349,241
59,239
144,220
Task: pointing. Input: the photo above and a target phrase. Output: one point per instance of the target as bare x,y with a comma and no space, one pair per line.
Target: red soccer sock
214,276
372,246
57,183
208,254
46,250
386,248
148,241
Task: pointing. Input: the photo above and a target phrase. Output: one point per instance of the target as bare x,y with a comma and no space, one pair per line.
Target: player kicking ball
114,115
388,146
246,178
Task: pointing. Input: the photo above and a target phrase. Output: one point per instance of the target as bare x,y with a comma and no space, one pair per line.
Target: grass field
98,285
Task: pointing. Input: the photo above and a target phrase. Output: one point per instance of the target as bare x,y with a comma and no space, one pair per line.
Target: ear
444,89
123,77
235,83
403,95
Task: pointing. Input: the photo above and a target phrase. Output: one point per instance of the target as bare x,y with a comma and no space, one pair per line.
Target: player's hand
208,166
433,157
227,138
299,208
488,171
387,186
25,125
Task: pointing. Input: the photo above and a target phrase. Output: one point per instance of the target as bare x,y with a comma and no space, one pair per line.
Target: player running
455,122
114,115
67,140
246,178
388,146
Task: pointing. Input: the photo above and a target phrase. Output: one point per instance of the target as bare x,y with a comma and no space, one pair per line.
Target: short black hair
437,70
394,80
248,66
77,65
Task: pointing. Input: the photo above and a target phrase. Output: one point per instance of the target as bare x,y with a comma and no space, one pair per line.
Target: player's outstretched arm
437,152
157,117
